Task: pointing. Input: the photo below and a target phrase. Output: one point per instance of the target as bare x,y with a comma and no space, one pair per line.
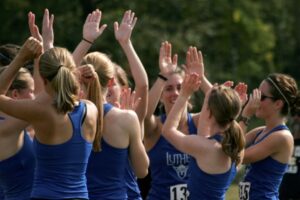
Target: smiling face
171,90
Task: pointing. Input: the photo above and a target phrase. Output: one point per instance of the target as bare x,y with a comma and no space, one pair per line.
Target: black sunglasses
263,97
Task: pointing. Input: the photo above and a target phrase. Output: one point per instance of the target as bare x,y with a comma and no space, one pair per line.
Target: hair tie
59,66
278,89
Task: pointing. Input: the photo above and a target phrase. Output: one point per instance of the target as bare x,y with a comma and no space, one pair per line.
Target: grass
233,192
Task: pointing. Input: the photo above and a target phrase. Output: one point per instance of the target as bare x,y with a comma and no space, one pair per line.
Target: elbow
142,173
143,170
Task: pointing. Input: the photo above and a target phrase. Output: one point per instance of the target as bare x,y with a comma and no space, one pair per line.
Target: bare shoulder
256,130
283,136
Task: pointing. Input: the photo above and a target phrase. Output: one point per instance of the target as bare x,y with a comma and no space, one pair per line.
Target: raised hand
191,83
167,65
86,73
228,83
253,103
124,30
91,28
194,62
34,30
31,49
241,89
47,30
128,100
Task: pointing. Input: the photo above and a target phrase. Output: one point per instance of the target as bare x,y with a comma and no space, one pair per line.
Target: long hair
57,66
225,106
105,71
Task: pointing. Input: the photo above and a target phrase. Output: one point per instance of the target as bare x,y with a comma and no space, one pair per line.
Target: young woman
17,160
168,165
269,147
65,127
217,149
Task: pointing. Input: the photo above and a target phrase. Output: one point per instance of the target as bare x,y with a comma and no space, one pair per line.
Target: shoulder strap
277,128
107,107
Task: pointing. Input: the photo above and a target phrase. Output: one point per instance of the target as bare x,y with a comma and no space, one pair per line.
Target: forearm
80,51
205,85
174,116
38,82
139,76
8,75
136,66
154,96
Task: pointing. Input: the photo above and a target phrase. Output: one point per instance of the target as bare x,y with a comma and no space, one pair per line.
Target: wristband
87,41
246,120
162,77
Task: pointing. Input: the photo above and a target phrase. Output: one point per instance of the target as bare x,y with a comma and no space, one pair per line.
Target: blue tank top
169,168
1,194
106,171
133,190
16,172
60,170
263,178
204,186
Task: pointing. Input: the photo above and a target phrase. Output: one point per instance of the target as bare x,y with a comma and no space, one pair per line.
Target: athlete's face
26,93
114,92
267,102
171,90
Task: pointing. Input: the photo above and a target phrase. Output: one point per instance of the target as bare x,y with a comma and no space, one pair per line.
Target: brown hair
225,106
57,66
285,88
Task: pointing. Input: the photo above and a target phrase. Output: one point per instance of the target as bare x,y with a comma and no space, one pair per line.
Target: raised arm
47,38
91,31
31,49
181,141
47,30
194,64
167,65
248,111
123,34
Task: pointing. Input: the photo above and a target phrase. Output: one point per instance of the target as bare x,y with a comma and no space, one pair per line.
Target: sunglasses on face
263,97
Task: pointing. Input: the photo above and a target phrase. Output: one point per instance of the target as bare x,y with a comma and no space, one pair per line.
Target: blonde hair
57,66
103,67
105,71
225,106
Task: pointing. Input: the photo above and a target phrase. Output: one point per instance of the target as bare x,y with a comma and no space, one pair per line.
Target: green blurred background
240,40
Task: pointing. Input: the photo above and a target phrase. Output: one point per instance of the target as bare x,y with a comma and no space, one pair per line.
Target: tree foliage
240,40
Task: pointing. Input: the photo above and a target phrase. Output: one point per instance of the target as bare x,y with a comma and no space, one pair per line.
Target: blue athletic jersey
133,190
60,170
263,178
16,172
204,186
106,171
169,168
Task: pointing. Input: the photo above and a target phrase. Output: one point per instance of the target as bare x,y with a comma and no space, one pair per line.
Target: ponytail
66,88
94,94
233,142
